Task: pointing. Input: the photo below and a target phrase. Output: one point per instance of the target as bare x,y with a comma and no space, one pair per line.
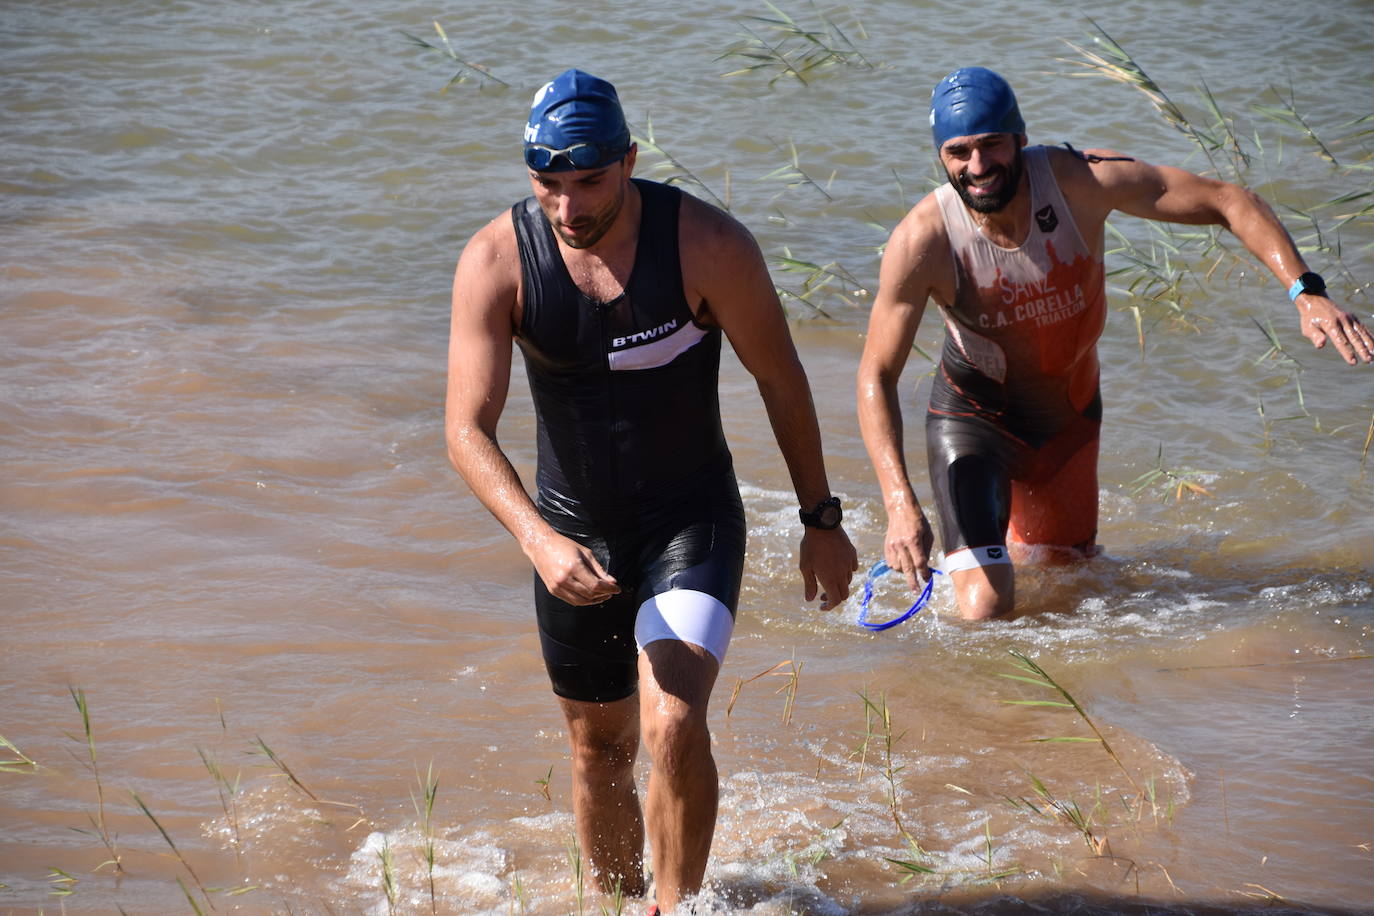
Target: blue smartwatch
1308,283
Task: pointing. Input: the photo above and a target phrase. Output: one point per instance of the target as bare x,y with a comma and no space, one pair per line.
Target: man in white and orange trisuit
1011,252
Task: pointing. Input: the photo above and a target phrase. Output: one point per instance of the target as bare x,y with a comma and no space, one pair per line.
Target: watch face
825,516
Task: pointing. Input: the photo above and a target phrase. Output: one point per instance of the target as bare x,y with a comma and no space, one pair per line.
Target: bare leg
610,828
984,591
675,680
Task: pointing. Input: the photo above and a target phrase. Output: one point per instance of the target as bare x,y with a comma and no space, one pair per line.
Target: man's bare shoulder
493,244
710,231
717,251
1094,168
488,273
920,232
917,262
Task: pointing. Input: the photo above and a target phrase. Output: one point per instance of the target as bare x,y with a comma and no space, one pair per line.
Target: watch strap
1308,282
815,518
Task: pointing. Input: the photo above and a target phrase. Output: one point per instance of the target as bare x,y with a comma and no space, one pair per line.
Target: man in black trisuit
617,292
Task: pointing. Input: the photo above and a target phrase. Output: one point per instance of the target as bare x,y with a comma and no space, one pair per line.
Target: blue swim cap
580,113
973,100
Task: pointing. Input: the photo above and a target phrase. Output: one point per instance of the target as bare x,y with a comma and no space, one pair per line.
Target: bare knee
675,738
604,739
604,755
984,606
984,592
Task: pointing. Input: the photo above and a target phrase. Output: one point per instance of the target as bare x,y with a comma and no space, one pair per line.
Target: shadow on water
1108,904
1034,904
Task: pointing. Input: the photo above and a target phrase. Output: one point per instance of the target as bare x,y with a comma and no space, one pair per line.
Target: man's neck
602,270
1008,227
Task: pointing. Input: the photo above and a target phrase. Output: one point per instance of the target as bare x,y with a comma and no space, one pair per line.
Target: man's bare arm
485,286
724,269
1174,195
915,263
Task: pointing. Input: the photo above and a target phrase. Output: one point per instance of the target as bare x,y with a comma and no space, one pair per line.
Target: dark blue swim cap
973,100
579,113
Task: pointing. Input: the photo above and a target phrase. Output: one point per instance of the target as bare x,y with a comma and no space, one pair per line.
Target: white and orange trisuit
1012,428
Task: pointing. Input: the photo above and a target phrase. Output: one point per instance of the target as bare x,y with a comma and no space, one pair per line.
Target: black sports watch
1308,283
826,516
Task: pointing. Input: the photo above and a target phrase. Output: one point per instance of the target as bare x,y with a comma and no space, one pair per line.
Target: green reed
228,791
1108,58
517,895
1167,481
671,170
794,175
389,886
281,766
92,763
1039,677
915,866
63,883
889,769
466,69
1155,275
175,851
1050,808
19,763
1285,111
830,281
429,791
783,46
574,854
262,748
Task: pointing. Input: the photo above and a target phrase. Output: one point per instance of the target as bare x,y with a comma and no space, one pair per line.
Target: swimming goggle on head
543,158
575,123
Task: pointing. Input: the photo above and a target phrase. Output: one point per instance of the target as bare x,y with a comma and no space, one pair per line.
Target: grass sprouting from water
671,170
92,763
389,886
19,763
1039,677
424,810
466,69
786,48
1169,481
175,851
228,793
790,669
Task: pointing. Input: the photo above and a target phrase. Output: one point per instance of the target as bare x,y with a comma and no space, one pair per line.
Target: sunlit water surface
228,521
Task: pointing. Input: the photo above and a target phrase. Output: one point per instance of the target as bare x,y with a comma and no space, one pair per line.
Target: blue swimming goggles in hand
876,570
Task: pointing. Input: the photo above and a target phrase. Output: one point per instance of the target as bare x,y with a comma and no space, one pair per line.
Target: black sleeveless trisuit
632,459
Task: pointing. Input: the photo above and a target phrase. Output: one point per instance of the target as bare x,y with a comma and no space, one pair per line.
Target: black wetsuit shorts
692,539
987,480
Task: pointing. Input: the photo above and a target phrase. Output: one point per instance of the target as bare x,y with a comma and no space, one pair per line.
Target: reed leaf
20,763
782,44
466,69
177,852
1041,678
671,170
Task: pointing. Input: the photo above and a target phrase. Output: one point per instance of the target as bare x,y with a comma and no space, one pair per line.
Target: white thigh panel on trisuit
687,616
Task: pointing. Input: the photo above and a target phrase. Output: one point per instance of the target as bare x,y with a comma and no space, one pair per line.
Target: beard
590,229
993,203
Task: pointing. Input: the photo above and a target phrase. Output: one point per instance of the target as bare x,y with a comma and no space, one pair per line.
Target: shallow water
228,233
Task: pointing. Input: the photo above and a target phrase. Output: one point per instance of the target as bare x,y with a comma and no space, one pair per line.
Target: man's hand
828,560
1324,320
907,546
570,572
